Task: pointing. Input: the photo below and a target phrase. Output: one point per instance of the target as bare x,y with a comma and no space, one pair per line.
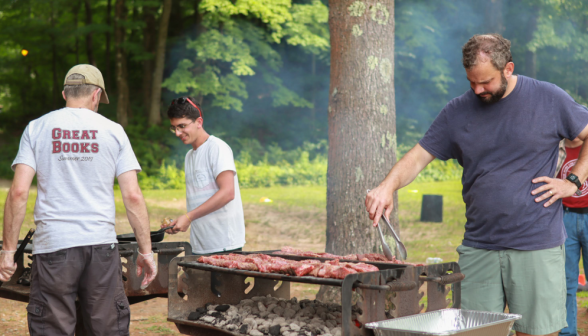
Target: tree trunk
76,10
154,112
494,20
149,38
362,121
54,59
122,86
530,56
107,58
89,48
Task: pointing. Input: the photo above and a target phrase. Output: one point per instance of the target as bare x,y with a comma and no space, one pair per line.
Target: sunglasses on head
183,100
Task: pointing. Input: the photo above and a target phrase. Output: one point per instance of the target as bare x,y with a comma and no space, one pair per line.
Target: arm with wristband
139,220
14,213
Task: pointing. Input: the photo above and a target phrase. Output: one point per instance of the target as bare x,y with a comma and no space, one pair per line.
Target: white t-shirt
76,154
223,229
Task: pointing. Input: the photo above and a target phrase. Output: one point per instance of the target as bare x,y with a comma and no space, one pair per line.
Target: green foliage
276,167
439,170
258,167
168,177
302,172
234,44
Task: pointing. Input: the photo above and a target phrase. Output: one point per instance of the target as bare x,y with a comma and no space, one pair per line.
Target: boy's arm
225,194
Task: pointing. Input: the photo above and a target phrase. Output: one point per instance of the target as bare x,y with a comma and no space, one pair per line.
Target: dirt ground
267,228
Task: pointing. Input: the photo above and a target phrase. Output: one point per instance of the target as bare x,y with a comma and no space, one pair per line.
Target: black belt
576,210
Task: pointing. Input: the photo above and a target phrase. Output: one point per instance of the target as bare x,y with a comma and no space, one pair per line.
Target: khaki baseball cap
92,76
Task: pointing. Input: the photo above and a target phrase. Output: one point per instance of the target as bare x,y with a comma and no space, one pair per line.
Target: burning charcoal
254,311
194,316
331,317
294,326
264,314
220,324
274,330
208,319
231,327
322,315
244,329
279,311
232,311
257,298
296,307
201,310
289,313
217,315
247,302
271,307
279,320
331,324
245,310
261,307
336,331
282,304
272,316
251,322
235,320
301,323
255,333
222,308
285,329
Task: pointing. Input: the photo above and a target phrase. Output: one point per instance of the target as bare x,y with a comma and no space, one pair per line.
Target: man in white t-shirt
76,154
213,199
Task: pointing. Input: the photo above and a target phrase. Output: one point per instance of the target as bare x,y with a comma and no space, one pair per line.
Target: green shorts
532,283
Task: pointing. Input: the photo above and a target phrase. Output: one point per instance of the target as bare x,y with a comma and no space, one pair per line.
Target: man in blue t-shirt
504,132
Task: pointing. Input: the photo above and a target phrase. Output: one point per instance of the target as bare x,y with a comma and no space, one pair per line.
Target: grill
164,253
395,286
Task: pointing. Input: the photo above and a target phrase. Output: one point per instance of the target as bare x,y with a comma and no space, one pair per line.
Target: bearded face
489,97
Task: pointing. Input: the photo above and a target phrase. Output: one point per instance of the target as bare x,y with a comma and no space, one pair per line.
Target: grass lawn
308,204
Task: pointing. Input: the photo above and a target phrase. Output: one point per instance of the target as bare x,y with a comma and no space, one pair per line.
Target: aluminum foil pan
447,322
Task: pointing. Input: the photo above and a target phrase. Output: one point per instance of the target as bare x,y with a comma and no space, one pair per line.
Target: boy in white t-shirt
213,199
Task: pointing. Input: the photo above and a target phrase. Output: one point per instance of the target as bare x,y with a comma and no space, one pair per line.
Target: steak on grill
268,264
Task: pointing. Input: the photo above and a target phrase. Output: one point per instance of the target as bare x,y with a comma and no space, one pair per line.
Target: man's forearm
14,214
580,169
408,168
139,220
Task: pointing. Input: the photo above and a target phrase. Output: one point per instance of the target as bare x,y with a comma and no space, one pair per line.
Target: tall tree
155,108
149,38
531,55
107,53
493,17
122,85
89,47
362,116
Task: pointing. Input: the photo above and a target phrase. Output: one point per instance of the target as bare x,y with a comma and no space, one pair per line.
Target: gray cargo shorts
92,274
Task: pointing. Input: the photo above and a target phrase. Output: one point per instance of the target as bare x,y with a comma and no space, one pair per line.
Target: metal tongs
399,244
385,247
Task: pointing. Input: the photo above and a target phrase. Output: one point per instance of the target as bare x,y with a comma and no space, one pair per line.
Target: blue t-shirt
502,147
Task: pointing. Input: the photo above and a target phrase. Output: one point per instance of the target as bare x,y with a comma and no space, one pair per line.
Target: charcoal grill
164,253
217,285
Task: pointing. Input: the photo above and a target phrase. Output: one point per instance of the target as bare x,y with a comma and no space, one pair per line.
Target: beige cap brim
104,97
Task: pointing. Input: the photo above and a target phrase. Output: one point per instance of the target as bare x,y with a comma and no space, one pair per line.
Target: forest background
260,70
